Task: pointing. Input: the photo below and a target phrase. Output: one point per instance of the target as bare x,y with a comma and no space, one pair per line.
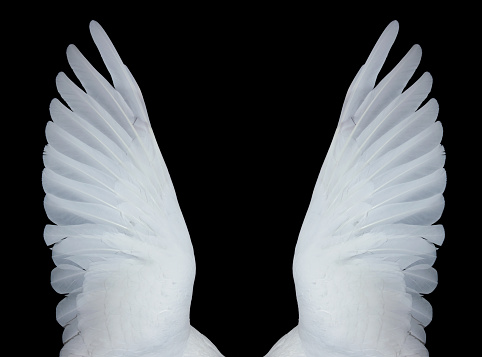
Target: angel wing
365,251
123,253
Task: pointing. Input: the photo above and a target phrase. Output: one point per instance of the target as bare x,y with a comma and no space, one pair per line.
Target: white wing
365,251
123,253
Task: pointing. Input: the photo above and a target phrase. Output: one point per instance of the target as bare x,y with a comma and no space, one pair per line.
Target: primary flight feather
364,254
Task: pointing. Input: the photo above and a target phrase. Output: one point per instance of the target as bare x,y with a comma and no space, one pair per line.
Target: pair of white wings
364,254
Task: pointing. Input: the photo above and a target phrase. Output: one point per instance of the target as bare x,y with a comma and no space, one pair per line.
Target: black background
244,102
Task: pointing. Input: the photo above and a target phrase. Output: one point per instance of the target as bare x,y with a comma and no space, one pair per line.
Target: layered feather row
119,235
371,215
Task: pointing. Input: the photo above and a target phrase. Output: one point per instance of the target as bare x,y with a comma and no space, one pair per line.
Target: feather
124,83
366,77
98,88
67,309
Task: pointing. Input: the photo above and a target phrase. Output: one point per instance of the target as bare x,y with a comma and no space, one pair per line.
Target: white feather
367,75
365,251
124,83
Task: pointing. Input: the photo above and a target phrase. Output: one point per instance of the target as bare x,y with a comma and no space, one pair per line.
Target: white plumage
365,251
364,254
122,250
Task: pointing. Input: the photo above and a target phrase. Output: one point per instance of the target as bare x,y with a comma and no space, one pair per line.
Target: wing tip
416,51
392,28
73,53
97,31
54,103
394,24
61,76
427,77
94,26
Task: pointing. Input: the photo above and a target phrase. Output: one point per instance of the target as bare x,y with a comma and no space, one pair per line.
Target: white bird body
124,256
